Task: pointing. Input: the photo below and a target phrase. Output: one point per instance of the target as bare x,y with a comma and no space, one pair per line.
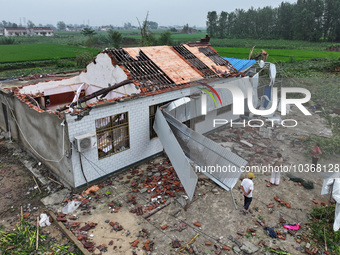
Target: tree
285,21
151,25
222,24
88,31
127,25
115,37
212,24
61,25
185,29
165,39
148,38
30,24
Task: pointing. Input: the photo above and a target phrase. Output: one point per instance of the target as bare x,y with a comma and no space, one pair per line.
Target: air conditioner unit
86,142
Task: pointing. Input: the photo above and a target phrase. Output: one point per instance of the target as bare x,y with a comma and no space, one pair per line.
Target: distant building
23,31
73,28
41,31
15,31
105,28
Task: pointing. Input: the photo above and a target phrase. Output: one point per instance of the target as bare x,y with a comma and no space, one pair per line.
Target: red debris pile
87,227
115,226
176,243
161,182
282,202
138,210
35,76
252,143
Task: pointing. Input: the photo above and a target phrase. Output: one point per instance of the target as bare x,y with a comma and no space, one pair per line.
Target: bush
116,38
66,63
7,40
328,146
84,59
322,227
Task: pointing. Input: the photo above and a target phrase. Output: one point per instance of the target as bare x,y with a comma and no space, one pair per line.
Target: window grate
112,134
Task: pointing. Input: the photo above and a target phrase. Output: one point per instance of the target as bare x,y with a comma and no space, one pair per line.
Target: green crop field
32,52
276,55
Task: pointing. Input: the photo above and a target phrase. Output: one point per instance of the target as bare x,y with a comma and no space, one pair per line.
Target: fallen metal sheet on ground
218,163
177,157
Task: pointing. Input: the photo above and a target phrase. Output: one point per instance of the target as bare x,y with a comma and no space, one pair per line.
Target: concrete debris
280,137
237,250
246,143
326,133
181,201
249,248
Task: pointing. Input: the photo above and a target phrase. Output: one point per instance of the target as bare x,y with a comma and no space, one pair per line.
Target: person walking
247,187
276,172
316,152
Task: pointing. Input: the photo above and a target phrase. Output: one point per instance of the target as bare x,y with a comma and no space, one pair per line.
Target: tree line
307,20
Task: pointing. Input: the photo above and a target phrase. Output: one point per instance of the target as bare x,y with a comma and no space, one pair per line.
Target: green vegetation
22,240
116,38
312,20
270,44
322,228
83,59
29,52
276,55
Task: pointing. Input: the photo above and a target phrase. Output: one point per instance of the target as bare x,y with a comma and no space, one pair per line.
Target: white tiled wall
141,146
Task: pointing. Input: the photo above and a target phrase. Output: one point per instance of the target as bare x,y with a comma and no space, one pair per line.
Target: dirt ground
18,190
221,225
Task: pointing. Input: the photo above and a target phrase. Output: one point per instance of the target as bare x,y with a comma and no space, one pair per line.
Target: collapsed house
101,121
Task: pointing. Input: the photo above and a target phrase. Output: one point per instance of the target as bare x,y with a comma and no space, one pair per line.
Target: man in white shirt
247,187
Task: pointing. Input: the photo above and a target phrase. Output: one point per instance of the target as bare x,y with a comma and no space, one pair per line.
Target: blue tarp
240,64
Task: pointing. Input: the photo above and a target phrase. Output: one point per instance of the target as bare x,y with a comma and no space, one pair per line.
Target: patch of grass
22,240
38,70
29,52
276,55
322,228
270,44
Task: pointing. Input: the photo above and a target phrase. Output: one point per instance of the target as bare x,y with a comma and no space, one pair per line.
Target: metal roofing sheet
179,161
207,154
241,64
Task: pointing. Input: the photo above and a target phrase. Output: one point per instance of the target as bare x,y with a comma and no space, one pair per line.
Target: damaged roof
150,70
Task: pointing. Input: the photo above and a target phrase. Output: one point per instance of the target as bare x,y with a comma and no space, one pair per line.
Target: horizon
116,15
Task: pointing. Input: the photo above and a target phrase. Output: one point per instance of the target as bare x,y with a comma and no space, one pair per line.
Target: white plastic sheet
272,73
71,207
44,220
326,189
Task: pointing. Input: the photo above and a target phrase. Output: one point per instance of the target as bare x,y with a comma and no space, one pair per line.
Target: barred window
152,115
112,134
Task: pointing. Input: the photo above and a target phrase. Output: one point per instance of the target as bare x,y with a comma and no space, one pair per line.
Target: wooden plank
68,233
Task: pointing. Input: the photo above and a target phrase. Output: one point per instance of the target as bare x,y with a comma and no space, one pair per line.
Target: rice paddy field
33,52
276,55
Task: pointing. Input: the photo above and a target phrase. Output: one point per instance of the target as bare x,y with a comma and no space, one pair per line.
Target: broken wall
42,134
99,73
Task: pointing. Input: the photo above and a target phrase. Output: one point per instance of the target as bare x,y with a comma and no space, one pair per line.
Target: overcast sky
106,12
